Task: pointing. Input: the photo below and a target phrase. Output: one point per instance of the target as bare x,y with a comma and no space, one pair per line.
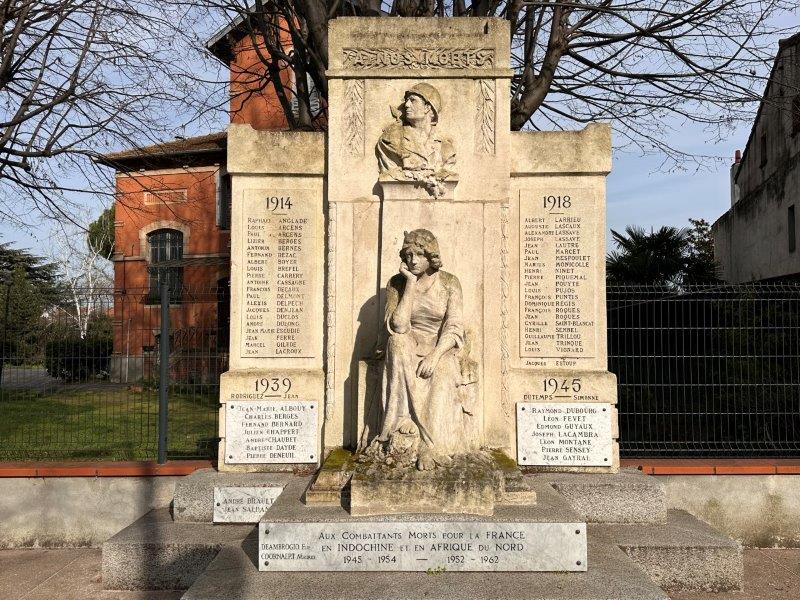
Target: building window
796,114
166,264
763,149
313,97
224,201
790,223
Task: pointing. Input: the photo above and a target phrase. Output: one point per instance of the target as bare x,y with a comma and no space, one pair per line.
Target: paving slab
194,494
683,553
64,573
156,553
233,575
23,570
625,497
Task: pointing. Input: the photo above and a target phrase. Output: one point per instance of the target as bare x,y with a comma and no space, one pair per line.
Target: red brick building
172,223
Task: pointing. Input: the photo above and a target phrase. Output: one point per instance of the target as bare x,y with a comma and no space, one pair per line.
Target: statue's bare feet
425,461
407,427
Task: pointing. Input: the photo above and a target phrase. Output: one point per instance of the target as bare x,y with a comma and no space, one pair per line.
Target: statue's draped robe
432,404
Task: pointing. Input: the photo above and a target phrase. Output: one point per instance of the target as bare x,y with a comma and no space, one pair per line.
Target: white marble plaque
280,431
279,233
243,504
422,546
557,272
564,434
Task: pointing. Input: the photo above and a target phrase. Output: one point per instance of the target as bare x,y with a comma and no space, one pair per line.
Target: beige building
756,239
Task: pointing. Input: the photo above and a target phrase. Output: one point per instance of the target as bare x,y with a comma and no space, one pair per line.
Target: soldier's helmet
428,93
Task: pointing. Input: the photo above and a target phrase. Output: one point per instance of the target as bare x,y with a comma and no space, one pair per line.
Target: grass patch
105,422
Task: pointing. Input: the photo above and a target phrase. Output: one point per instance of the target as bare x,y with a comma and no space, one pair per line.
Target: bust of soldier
410,148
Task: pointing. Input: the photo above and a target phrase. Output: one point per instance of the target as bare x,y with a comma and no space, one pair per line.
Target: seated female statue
422,373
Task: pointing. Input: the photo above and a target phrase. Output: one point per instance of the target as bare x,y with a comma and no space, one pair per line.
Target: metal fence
707,371
80,376
702,371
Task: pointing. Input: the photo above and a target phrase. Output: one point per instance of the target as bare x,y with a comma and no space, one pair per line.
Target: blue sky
637,193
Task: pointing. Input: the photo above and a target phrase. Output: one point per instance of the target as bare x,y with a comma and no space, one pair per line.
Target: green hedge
78,359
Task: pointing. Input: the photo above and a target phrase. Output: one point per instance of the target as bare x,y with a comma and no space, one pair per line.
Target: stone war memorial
418,402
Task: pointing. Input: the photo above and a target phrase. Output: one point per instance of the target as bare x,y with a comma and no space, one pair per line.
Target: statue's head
422,240
422,101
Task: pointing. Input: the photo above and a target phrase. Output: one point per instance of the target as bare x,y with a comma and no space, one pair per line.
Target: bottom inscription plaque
422,546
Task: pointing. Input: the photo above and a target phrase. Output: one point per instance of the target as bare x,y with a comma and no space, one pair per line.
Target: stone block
421,493
587,151
473,484
682,554
156,553
194,494
626,497
252,151
333,476
550,507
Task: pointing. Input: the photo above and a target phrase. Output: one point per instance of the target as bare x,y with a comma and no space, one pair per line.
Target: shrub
75,359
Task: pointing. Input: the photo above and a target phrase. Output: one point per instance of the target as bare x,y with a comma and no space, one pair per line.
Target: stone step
682,554
625,497
233,575
156,553
194,494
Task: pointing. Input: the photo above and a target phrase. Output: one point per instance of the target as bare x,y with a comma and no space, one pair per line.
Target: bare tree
646,65
84,269
79,78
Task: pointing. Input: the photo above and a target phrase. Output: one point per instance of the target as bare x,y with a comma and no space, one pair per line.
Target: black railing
707,371
82,380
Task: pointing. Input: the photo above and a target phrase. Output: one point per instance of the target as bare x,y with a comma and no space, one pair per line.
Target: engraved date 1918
552,203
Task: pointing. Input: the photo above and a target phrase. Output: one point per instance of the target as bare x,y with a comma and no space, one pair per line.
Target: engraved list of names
278,229
557,265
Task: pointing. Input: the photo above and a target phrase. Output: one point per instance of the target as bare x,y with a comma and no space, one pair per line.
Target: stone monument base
473,484
631,552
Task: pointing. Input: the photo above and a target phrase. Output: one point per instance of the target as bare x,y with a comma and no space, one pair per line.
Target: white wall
75,511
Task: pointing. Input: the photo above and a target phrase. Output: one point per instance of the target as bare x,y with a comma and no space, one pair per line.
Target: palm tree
659,257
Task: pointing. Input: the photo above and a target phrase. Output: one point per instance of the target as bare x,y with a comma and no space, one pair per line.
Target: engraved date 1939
273,384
